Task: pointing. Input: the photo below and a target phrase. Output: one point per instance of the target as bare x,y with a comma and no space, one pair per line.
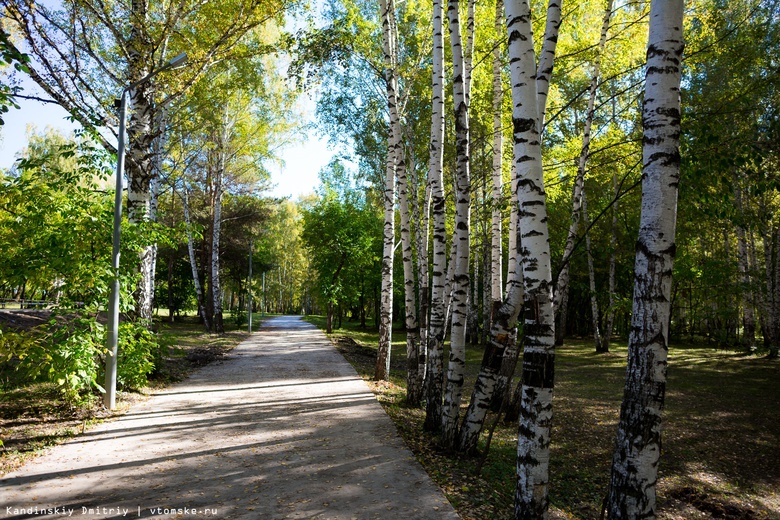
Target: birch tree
460,291
394,143
632,490
562,285
84,52
528,191
435,371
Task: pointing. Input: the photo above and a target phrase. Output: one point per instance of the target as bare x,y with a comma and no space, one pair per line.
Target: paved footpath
283,428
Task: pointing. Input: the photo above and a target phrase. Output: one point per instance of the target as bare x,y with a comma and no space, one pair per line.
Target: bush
138,348
72,355
239,318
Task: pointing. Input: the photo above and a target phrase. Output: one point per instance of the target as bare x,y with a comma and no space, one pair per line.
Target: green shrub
239,318
72,355
138,348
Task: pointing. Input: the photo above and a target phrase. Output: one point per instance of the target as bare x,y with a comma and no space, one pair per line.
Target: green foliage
138,350
10,55
70,351
343,234
239,318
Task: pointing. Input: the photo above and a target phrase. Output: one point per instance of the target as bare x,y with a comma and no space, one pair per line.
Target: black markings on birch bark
637,449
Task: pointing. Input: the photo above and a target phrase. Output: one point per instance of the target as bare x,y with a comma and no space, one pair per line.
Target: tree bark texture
533,450
460,293
382,369
435,376
632,492
193,264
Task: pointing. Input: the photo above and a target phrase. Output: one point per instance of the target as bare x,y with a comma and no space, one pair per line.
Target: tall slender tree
632,490
394,157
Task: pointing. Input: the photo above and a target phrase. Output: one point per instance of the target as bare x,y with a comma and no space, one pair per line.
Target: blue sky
298,176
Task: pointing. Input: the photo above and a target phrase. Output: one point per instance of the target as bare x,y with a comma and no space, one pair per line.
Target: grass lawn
721,432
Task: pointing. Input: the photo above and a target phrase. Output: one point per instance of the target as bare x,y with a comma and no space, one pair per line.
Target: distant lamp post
109,398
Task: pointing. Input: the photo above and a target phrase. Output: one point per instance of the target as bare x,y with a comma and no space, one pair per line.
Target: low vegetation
720,433
36,413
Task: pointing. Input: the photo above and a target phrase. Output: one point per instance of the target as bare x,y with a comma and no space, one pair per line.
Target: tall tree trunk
748,316
421,237
382,369
216,285
413,381
528,190
632,490
140,164
594,302
610,314
435,371
457,357
533,449
193,264
496,255
562,286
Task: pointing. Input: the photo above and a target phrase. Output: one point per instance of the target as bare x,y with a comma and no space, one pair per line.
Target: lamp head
177,61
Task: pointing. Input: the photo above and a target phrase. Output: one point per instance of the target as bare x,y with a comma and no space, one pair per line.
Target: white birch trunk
562,286
638,447
193,263
382,369
435,376
496,254
216,285
500,355
421,236
539,328
140,167
457,357
547,59
410,298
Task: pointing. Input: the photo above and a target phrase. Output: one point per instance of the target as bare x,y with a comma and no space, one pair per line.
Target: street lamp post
109,398
250,287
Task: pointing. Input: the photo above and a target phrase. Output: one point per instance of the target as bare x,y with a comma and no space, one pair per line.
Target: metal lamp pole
109,398
250,286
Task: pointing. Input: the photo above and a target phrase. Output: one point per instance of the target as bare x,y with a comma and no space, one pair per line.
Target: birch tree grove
632,492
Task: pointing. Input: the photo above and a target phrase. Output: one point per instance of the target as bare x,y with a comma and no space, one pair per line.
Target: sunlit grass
719,441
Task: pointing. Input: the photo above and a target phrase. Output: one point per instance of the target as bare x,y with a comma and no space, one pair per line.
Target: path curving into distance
283,428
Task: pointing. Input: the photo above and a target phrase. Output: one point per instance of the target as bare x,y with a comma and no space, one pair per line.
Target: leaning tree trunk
382,369
632,490
435,371
460,293
562,287
529,105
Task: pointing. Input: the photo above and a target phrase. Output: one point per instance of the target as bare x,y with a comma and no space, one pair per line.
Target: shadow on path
283,428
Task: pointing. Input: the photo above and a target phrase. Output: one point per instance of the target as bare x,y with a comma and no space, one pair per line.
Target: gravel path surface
283,428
